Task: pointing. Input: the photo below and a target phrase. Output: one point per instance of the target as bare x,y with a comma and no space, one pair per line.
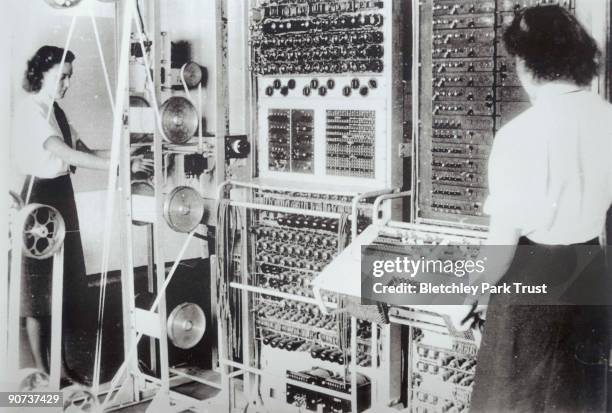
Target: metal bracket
405,150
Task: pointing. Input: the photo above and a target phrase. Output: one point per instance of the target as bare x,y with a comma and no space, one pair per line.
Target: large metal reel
43,230
186,325
32,379
78,398
179,119
183,209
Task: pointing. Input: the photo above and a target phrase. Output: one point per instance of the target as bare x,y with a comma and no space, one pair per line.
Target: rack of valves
319,67
317,52
287,251
468,89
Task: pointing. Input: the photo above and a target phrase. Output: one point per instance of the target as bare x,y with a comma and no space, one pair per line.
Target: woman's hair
43,60
553,45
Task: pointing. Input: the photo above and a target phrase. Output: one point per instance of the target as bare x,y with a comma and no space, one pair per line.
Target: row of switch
356,21
315,8
298,55
332,66
296,250
320,40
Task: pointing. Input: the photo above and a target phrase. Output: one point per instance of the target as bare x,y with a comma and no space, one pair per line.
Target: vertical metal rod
353,364
221,97
118,130
151,289
127,264
164,367
122,85
415,107
150,260
57,290
200,117
14,303
409,373
4,306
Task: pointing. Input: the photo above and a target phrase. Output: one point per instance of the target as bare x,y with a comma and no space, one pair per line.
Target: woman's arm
498,250
498,253
90,159
102,153
57,147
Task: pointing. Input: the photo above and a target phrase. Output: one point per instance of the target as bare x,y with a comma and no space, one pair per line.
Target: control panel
319,37
468,90
286,251
312,400
350,143
290,250
442,373
443,361
322,79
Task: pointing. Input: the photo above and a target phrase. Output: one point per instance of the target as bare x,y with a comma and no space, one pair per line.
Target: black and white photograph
293,206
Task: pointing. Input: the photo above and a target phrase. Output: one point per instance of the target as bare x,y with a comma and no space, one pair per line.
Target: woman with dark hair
46,151
550,182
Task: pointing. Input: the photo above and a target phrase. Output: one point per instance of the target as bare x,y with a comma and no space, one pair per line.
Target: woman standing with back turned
550,180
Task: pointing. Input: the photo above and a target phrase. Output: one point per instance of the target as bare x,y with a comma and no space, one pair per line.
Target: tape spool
193,74
32,379
43,230
62,4
179,119
79,398
186,325
183,209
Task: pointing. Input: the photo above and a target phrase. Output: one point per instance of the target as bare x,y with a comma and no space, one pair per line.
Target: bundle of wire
344,318
228,300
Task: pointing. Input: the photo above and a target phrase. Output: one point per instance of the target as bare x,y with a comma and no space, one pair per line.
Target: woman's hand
474,318
142,164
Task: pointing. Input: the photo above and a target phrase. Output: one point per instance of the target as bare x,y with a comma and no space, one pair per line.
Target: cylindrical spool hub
62,4
193,74
79,398
186,325
32,379
179,119
183,209
43,230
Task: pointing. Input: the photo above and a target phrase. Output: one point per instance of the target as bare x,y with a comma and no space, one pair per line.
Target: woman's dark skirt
37,274
544,358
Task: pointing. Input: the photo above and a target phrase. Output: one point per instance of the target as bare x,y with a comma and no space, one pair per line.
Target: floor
193,389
